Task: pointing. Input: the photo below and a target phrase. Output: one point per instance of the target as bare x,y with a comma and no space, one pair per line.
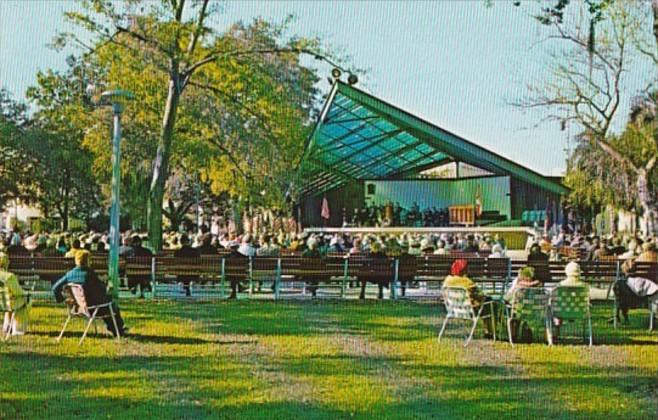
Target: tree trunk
654,6
236,215
65,210
161,164
648,205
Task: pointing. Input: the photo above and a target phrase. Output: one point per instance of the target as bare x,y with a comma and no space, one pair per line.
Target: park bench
192,277
601,274
363,268
266,270
491,274
51,269
302,274
22,266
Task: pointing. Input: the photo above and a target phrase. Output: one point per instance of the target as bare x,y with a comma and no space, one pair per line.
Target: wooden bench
312,273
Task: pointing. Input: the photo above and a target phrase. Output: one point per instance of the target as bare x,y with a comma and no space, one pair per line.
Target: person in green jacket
15,300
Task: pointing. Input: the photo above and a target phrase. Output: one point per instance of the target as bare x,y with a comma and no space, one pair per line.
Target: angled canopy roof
359,136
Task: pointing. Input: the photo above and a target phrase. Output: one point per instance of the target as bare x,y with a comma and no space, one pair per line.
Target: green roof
359,136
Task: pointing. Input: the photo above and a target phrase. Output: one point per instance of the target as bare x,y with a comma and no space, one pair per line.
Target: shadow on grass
390,386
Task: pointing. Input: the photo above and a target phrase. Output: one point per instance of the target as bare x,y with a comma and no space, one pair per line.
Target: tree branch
228,154
610,150
216,55
651,164
199,27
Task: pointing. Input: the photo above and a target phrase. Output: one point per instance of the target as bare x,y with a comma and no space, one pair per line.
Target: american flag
325,209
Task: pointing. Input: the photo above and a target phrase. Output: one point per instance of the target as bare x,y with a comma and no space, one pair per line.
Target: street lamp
117,99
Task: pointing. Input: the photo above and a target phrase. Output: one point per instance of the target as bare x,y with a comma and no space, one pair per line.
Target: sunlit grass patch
319,359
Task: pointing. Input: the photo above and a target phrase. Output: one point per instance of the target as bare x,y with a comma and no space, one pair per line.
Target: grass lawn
318,359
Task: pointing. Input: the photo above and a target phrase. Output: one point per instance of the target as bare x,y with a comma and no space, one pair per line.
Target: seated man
139,280
186,251
312,255
95,290
236,268
379,270
18,301
459,278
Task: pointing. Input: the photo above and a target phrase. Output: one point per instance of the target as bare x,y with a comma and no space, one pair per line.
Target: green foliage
16,166
204,87
598,179
241,125
67,186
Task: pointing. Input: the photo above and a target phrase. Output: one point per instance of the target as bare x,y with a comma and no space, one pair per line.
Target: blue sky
455,63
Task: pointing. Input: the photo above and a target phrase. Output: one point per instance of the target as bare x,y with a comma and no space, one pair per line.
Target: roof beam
350,132
400,151
416,168
331,169
411,165
351,120
376,141
318,183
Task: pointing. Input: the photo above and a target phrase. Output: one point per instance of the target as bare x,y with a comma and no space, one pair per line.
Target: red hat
458,267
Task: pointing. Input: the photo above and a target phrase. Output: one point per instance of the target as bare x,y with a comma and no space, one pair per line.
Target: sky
457,64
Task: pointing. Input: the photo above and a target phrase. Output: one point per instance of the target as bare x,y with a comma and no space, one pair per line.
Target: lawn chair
529,305
76,302
459,306
571,304
6,307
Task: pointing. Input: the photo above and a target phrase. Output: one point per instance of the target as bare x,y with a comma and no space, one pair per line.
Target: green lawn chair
571,304
459,306
530,306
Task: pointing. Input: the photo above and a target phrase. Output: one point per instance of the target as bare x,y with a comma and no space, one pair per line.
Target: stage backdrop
495,193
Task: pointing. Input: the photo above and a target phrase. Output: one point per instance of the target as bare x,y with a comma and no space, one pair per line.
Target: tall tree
15,165
63,173
174,37
587,84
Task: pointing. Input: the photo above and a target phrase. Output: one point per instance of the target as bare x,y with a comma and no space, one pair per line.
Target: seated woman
633,291
525,279
18,300
95,290
459,278
572,272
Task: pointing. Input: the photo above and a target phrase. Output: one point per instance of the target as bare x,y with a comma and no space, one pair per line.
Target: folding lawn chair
7,307
76,302
571,304
529,305
459,306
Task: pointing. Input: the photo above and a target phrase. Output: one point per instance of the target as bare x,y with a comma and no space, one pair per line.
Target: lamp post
117,99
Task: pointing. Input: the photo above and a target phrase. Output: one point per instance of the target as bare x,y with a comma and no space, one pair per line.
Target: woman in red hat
459,278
